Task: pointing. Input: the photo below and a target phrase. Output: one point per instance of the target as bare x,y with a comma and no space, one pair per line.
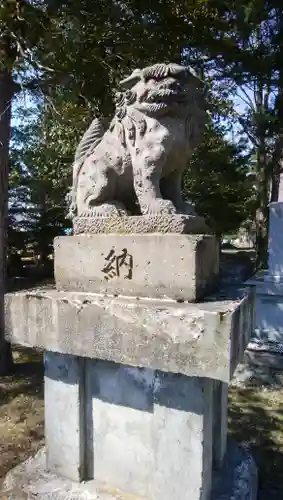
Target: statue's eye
130,97
118,98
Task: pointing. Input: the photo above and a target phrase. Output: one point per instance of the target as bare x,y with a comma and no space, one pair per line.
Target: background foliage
65,59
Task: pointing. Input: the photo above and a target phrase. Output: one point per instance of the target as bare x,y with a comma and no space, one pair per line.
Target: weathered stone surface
220,421
137,164
137,414
113,410
142,224
182,267
30,481
205,339
134,416
149,413
64,414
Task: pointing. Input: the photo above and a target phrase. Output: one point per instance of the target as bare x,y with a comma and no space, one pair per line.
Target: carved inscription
118,265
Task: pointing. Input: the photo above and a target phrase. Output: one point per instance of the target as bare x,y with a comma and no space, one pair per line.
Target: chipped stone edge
162,352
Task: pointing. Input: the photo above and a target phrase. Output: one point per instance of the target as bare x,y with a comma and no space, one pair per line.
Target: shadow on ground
256,420
21,409
27,376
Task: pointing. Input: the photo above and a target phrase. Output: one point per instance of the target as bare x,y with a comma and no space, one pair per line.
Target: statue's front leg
171,188
147,173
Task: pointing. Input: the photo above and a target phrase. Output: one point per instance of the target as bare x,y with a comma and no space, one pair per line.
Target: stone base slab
204,340
140,224
181,267
237,480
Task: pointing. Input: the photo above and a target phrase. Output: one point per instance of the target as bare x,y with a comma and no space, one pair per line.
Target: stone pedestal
135,386
266,346
179,266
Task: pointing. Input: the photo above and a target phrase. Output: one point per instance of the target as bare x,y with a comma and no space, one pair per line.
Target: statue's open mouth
167,92
167,96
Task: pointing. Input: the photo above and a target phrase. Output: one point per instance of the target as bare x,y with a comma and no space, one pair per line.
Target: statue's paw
158,207
113,209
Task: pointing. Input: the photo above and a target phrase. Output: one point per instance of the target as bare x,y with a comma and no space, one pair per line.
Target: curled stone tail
90,139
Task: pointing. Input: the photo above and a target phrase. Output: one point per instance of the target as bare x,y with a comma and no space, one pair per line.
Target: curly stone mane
132,109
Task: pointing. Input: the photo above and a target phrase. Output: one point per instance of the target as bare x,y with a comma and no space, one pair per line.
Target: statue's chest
170,133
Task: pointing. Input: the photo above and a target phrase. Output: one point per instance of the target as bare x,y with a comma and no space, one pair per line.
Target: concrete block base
201,340
130,418
30,480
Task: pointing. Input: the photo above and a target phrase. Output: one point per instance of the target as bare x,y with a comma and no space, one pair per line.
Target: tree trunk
261,219
263,177
278,156
6,92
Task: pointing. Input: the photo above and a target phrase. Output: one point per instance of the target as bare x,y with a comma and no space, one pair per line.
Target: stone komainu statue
136,165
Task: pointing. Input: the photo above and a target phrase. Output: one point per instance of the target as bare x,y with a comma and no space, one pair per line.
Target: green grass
256,419
21,409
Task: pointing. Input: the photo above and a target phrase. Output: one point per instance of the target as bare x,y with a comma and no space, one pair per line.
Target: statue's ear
131,80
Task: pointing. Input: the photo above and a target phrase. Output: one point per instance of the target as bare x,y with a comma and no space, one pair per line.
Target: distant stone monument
266,346
280,190
140,343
